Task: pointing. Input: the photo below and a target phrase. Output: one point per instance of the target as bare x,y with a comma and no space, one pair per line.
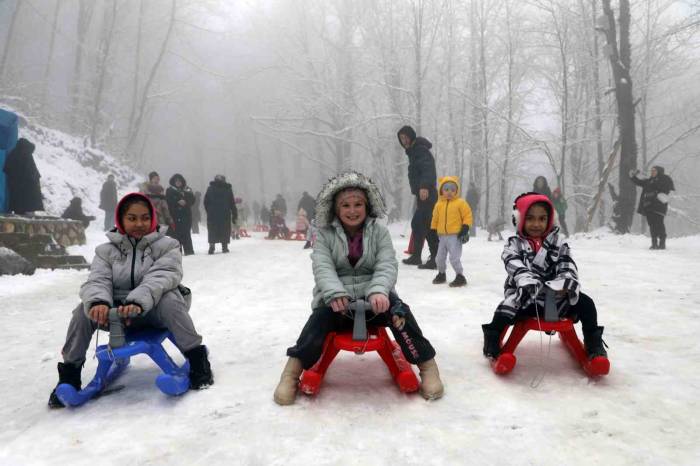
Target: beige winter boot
286,390
431,386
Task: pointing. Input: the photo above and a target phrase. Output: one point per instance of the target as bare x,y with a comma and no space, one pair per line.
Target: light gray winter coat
131,271
375,272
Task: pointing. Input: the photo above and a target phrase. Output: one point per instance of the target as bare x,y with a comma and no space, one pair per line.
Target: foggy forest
280,95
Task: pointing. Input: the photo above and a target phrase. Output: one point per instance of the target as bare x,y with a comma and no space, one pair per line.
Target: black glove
464,234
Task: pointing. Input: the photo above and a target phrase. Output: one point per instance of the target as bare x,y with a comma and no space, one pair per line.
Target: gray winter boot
286,391
431,386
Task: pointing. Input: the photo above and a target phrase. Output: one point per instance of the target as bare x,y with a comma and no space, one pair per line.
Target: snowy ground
251,304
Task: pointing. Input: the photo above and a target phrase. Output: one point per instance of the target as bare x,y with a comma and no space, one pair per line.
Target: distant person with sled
535,258
452,218
74,211
138,271
108,201
422,178
279,204
278,227
354,258
156,193
220,205
307,203
653,202
180,200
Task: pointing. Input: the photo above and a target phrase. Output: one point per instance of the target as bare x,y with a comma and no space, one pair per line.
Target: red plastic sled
243,233
260,227
379,341
505,362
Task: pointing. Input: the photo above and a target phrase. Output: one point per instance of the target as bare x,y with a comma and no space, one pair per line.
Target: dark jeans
584,310
420,225
323,321
657,229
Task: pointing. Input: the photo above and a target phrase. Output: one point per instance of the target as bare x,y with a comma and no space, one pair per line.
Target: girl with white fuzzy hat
354,258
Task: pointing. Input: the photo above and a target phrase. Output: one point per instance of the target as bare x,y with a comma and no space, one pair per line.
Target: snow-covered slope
250,306
69,168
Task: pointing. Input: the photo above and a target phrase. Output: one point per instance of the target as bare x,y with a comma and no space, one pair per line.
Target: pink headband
347,194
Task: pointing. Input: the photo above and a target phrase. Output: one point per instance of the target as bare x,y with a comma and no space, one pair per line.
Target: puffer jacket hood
660,171
151,208
449,179
523,203
325,208
421,141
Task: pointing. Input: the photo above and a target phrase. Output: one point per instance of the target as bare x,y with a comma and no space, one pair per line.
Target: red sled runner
359,341
505,362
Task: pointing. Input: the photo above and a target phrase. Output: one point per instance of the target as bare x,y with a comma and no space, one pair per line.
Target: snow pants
657,229
584,310
170,313
452,246
323,320
420,225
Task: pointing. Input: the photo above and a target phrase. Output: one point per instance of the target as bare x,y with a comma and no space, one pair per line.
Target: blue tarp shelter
8,140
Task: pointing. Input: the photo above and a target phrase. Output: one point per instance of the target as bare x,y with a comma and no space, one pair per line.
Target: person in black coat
653,202
220,206
422,178
180,199
279,204
541,186
23,187
74,211
108,201
307,203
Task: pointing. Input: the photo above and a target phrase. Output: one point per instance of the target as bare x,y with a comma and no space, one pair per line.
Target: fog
279,95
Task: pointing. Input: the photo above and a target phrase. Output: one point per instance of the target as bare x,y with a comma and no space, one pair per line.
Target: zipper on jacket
447,207
133,264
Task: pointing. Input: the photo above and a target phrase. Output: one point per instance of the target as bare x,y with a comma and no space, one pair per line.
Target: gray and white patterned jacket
129,271
552,266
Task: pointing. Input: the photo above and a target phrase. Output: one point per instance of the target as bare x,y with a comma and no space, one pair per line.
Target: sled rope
539,378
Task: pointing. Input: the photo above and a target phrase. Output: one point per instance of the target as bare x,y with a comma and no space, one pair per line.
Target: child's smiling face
536,221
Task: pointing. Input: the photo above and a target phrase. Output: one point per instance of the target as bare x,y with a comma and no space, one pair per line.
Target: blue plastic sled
112,363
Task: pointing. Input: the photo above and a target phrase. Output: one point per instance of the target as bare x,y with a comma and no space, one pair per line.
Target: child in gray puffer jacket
354,258
138,271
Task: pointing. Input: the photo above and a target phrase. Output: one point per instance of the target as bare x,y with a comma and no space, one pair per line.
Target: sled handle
359,326
117,334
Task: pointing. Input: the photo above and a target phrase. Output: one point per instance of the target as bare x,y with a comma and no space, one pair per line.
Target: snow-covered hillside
69,168
250,306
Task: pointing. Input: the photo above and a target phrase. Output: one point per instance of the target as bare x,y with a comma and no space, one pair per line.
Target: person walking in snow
541,186
560,206
156,193
180,200
220,206
139,271
452,217
108,201
354,258
653,202
279,204
535,258
422,178
307,203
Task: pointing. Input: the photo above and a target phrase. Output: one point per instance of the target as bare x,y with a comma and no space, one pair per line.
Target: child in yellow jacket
452,218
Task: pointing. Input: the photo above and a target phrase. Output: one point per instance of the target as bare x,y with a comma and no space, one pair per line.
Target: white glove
634,172
663,197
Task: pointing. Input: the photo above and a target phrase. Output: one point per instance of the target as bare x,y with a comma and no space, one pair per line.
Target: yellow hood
446,179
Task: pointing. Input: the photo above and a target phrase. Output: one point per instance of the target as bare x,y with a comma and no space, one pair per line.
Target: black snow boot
307,245
459,280
224,248
200,370
67,373
211,248
413,260
440,278
654,244
492,341
429,264
662,242
593,341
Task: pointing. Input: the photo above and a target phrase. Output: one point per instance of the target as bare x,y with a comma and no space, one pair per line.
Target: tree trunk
49,59
137,69
102,67
598,120
86,9
8,41
620,60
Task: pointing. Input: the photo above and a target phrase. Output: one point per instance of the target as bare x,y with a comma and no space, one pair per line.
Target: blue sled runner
113,361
